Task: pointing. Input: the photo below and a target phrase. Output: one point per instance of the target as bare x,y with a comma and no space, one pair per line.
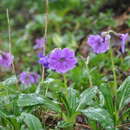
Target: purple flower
123,38
6,59
39,43
99,44
43,60
27,78
35,77
40,54
62,60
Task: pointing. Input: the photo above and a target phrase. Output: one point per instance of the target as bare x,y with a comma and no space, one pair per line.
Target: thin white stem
88,71
10,45
45,35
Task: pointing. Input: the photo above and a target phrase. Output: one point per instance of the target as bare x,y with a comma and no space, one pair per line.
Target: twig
10,46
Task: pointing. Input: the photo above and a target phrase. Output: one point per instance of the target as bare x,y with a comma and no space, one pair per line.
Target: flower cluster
6,59
101,43
60,60
27,78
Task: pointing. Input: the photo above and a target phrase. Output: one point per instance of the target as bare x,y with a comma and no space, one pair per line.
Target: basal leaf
106,91
73,100
63,124
9,81
100,115
29,100
32,122
87,96
124,93
25,100
52,105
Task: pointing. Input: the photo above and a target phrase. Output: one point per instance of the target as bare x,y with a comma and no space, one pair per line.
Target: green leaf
63,124
64,101
70,102
72,99
3,115
124,93
86,97
25,100
11,120
106,91
100,115
52,105
31,121
29,100
9,81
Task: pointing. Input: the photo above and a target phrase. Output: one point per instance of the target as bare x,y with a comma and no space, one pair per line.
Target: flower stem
113,70
10,46
45,35
89,75
65,83
115,86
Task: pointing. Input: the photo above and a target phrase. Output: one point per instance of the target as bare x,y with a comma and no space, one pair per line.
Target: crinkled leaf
73,100
9,81
35,99
100,115
63,124
106,91
124,93
31,121
86,97
52,105
101,98
29,100
70,101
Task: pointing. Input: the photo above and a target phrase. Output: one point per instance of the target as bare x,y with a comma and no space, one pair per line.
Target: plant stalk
65,84
10,46
89,75
45,36
115,85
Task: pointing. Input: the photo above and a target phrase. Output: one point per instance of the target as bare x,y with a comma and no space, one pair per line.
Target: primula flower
35,77
6,59
123,38
62,60
27,78
39,43
43,60
99,44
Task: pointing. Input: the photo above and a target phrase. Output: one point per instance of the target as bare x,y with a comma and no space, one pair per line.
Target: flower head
43,60
39,43
99,44
62,60
123,38
6,59
35,77
27,78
